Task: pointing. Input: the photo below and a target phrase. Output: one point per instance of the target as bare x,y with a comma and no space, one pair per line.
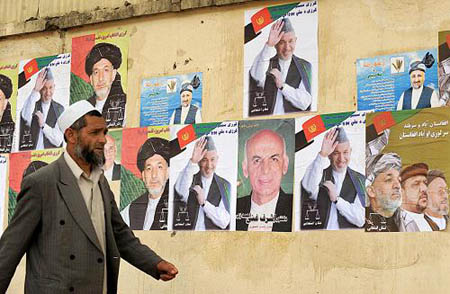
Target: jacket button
72,257
100,260
62,222
71,289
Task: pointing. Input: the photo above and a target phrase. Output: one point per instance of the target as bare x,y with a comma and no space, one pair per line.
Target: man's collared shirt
261,212
90,190
419,219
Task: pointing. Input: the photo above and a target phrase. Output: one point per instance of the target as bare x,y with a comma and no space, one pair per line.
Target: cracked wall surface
207,36
19,17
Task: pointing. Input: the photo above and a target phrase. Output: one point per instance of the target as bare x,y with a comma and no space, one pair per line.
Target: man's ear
244,168
285,164
71,136
167,173
370,191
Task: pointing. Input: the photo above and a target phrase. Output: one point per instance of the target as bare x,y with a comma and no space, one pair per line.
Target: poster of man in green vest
171,100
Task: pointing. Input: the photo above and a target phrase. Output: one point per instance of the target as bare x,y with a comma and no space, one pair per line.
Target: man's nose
265,166
396,183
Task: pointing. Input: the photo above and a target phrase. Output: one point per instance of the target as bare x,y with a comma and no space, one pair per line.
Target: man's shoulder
141,199
357,174
301,60
243,200
221,180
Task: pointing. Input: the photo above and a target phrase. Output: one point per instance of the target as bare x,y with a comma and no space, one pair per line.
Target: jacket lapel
73,198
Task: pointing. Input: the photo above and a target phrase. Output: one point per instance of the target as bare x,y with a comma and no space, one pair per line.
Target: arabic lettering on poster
224,128
304,8
158,131
111,35
2,160
272,218
60,60
47,153
426,129
8,66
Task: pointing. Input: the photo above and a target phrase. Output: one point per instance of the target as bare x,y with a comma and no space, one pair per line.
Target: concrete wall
210,39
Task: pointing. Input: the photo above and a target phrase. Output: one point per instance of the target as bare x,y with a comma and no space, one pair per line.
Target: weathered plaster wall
210,40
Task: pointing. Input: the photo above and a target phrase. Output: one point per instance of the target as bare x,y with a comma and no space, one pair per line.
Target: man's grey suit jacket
52,225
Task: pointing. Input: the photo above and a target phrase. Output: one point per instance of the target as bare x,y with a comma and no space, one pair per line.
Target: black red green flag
267,15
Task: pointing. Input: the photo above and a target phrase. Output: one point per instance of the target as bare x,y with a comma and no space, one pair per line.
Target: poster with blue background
382,80
160,97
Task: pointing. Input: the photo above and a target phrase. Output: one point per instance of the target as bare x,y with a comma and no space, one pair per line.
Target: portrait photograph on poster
99,73
8,98
171,100
144,187
265,175
407,170
444,66
329,172
398,81
43,94
23,164
203,177
281,59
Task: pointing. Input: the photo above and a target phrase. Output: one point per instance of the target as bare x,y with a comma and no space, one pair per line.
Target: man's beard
89,156
102,92
389,205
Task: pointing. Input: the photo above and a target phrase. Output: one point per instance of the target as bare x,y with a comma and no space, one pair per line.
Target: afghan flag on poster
191,132
320,123
267,15
385,120
186,135
32,67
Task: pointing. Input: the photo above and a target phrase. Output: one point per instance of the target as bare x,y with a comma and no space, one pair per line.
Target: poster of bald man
281,59
8,96
99,73
407,168
3,185
329,171
23,164
265,175
43,94
203,176
144,184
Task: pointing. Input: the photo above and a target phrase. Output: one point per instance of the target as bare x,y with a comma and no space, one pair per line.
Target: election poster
398,81
99,73
171,100
43,94
265,175
144,194
281,59
407,167
23,164
444,67
3,185
113,154
8,98
329,171
203,175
